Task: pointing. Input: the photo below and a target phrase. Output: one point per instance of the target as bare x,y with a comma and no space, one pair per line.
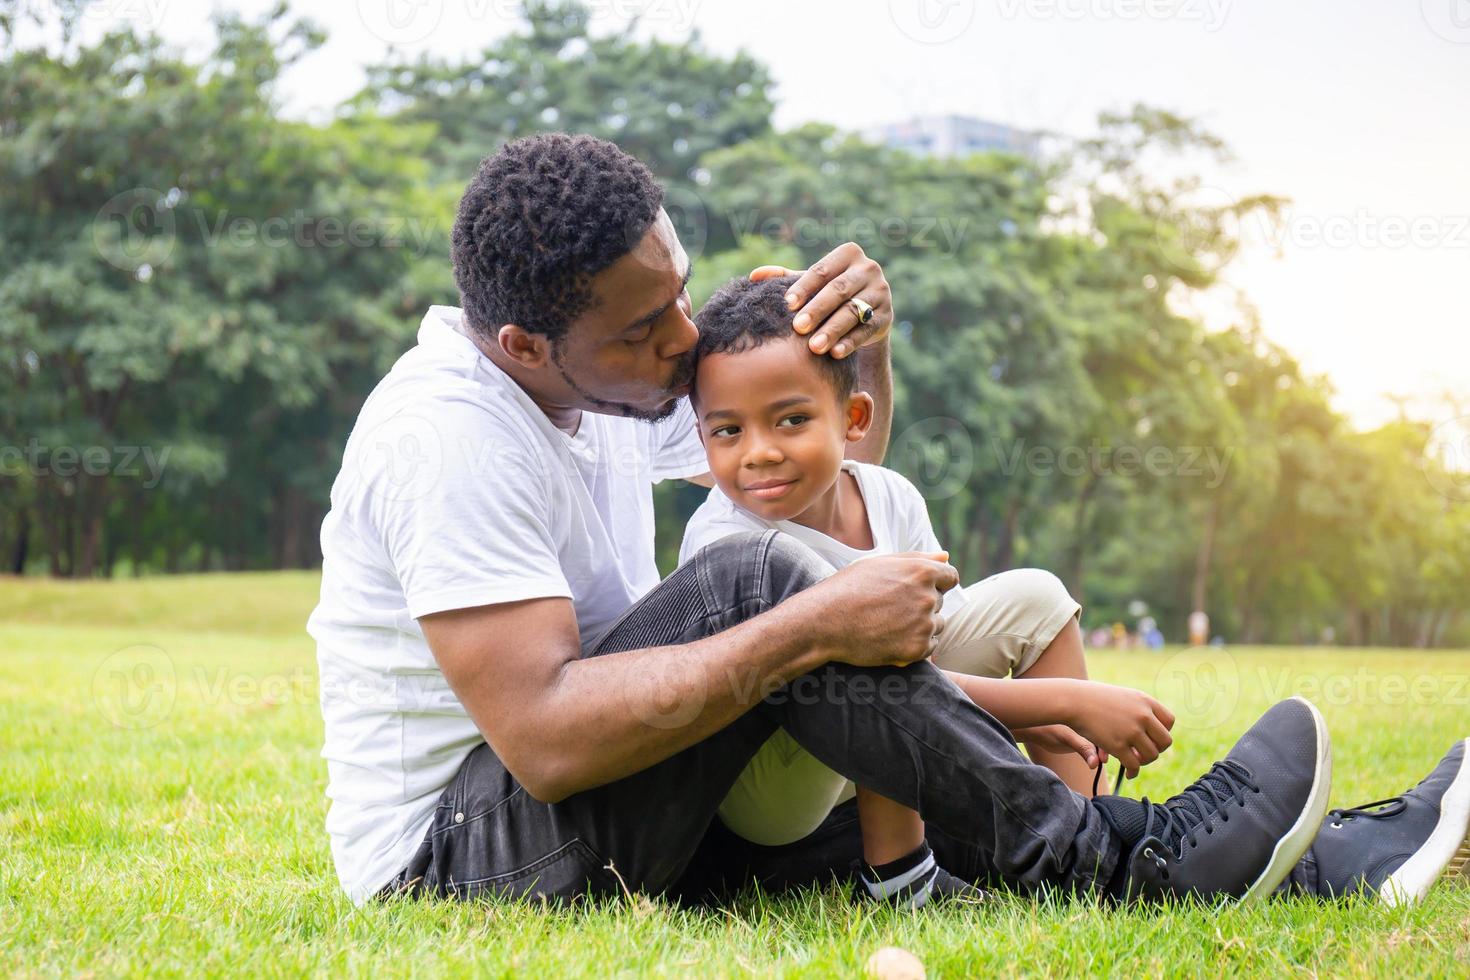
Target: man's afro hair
540,218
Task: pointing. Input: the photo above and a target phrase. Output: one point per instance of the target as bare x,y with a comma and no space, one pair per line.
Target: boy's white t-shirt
897,517
457,491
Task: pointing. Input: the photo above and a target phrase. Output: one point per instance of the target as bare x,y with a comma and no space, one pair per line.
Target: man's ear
859,415
531,350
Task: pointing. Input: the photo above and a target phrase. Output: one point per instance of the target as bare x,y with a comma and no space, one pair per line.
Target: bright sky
1357,110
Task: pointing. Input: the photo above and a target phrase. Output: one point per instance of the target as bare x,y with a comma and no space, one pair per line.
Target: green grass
183,834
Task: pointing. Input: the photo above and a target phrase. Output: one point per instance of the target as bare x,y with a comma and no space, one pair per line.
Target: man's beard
682,376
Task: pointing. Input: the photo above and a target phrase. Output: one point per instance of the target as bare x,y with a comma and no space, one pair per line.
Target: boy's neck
841,514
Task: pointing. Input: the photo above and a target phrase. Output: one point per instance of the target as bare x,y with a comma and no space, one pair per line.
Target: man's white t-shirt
457,491
897,517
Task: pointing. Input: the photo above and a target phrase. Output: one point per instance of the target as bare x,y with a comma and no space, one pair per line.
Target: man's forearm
619,713
875,376
1039,701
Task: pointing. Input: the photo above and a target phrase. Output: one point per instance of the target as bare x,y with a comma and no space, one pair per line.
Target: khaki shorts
1006,622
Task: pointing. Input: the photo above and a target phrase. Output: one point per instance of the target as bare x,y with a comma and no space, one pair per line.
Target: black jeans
907,733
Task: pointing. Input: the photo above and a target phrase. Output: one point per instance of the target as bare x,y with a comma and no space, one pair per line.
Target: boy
775,420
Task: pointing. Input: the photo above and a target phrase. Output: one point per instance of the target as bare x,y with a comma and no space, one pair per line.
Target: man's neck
841,514
567,418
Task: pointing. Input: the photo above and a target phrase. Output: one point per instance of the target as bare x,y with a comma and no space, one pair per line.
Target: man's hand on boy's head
822,300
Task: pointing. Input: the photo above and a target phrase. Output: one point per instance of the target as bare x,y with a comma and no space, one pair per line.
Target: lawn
161,813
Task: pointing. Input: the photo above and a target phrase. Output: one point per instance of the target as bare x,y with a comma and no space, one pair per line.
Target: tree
197,298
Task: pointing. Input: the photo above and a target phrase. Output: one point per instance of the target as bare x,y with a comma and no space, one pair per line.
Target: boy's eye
792,421
726,430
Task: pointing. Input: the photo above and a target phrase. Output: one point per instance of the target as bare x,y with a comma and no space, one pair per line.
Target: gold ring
863,310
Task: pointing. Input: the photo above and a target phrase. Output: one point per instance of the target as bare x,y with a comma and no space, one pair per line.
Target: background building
954,136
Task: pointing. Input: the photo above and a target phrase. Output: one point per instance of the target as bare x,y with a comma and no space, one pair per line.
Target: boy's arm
1129,725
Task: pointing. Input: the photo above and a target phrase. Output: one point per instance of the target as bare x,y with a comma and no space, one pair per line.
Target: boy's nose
763,454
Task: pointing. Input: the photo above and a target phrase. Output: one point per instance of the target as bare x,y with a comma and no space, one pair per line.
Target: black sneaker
1240,828
1398,848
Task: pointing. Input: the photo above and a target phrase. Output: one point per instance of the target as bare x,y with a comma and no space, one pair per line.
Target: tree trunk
22,546
1198,594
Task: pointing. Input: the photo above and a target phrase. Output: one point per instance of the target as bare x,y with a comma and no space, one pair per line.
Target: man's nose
682,338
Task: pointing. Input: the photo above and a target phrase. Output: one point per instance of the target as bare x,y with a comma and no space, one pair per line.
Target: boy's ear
859,415
527,349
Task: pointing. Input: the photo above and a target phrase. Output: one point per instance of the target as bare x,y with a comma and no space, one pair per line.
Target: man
515,704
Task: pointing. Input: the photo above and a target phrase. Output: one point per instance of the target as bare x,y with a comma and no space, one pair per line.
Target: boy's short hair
743,315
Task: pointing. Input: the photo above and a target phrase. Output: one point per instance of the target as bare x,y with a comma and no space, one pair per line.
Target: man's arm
875,376
822,301
563,723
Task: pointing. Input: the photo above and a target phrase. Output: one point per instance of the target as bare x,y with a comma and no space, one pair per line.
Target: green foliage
192,278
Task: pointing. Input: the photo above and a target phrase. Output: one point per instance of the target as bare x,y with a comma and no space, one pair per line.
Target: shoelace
1117,783
1376,810
1185,815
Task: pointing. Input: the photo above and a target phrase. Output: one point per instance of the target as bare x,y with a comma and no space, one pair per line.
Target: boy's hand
822,298
1061,740
1129,725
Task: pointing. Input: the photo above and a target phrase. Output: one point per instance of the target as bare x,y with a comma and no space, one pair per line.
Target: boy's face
773,427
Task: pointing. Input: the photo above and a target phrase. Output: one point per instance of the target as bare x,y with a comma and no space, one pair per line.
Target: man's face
633,353
773,427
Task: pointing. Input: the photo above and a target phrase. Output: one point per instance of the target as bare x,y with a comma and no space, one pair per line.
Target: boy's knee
1038,589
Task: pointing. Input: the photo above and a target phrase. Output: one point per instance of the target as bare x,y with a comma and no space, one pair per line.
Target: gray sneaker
1399,847
1239,829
